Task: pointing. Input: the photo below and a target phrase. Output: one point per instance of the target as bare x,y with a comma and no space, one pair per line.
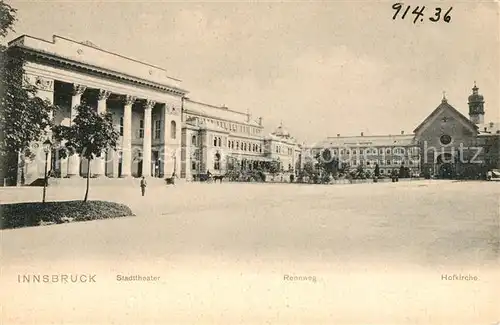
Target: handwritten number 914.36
418,13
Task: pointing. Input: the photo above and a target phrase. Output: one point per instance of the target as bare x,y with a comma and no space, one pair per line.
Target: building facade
445,145
217,139
365,152
162,132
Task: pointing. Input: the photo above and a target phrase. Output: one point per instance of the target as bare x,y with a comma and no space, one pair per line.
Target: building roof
444,105
369,140
476,97
281,132
489,128
218,112
87,53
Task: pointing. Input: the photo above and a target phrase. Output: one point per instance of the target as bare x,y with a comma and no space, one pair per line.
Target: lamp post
47,145
175,164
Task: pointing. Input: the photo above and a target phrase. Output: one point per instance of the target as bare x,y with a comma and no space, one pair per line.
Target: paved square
423,222
234,247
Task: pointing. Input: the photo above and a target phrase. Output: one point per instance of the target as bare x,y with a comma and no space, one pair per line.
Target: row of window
384,162
217,141
372,151
279,149
156,129
244,146
228,126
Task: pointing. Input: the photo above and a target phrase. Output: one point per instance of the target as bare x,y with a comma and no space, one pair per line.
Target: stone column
99,166
165,153
146,149
127,136
74,160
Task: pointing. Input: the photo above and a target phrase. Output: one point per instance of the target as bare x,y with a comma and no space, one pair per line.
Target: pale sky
320,67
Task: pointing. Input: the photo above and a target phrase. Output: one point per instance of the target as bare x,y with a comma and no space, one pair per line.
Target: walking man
143,185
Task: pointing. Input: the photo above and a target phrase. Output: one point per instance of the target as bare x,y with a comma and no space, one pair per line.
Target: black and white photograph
249,162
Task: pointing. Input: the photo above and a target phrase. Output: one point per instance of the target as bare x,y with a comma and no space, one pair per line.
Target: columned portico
146,156
100,162
127,136
74,160
64,70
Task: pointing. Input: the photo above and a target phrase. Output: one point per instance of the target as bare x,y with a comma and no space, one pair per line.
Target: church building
446,144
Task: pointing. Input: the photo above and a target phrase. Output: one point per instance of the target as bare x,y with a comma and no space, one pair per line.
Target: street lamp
175,165
47,146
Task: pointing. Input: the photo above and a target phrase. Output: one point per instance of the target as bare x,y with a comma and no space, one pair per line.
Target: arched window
173,130
219,142
193,140
217,161
215,141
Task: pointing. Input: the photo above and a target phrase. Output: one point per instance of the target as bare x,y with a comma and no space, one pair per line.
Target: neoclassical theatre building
162,132
446,144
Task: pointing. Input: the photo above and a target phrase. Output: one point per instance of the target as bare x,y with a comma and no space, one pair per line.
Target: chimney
362,134
402,132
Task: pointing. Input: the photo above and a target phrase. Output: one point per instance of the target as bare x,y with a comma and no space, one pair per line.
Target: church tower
476,106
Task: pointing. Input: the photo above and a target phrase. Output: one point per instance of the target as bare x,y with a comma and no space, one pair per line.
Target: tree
90,134
24,118
360,172
401,171
309,167
274,167
344,168
327,163
7,18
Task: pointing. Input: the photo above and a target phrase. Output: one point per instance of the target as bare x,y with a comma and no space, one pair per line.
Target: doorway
446,169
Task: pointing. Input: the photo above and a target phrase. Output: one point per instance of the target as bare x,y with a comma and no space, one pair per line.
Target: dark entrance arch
446,166
446,171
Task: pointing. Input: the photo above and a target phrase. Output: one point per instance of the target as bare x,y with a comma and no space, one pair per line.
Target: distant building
446,145
365,152
218,139
162,132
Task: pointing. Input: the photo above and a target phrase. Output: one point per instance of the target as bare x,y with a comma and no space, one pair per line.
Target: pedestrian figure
143,185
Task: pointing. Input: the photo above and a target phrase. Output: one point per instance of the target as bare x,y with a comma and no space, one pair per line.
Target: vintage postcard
250,162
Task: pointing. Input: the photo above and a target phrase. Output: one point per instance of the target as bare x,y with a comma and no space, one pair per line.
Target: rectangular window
121,126
141,129
157,130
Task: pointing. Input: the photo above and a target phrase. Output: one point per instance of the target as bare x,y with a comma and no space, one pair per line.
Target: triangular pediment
445,111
